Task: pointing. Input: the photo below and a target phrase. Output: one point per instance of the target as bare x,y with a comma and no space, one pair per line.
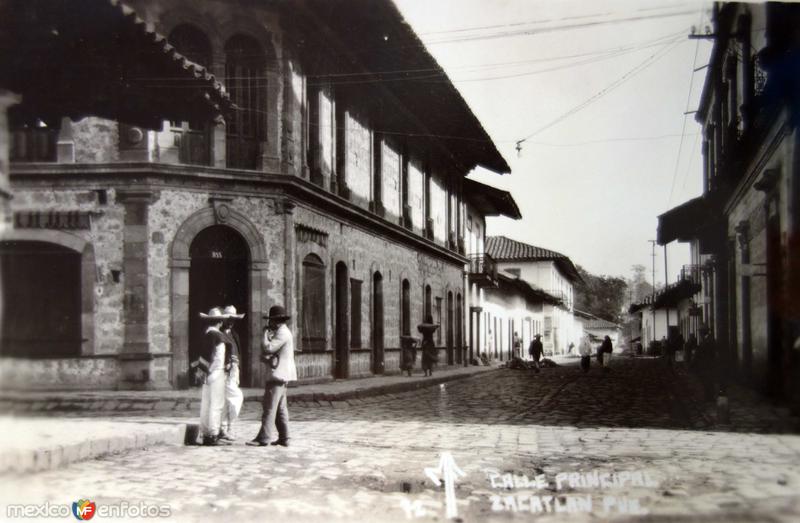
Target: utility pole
653,298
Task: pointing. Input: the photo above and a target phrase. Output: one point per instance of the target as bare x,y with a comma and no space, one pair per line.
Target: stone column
141,366
289,258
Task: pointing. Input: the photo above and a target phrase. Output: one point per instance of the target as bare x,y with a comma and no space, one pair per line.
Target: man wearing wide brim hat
233,394
212,360
278,351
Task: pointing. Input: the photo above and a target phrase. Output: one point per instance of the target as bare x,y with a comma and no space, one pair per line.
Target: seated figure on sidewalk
212,361
429,352
408,353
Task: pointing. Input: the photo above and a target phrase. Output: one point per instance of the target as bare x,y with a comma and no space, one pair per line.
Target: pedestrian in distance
535,350
517,344
233,394
673,345
429,352
605,351
706,361
278,354
585,350
689,349
212,363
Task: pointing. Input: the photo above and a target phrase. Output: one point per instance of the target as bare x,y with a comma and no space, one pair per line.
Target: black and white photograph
399,260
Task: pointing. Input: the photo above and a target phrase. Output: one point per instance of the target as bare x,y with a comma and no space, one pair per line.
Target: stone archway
180,262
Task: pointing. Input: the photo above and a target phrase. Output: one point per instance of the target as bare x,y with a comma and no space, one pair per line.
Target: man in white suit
278,354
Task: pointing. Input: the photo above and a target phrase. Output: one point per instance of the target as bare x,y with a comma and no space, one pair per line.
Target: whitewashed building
549,271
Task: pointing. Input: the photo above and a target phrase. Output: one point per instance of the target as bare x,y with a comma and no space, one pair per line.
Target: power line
529,22
627,76
609,140
685,117
441,76
567,27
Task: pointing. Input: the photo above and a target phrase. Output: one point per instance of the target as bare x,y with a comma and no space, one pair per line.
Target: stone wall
366,253
105,235
59,374
96,140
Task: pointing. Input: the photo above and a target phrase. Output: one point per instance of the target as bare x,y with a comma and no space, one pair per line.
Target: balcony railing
692,273
482,270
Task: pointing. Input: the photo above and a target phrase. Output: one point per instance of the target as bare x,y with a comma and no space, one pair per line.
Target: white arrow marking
448,471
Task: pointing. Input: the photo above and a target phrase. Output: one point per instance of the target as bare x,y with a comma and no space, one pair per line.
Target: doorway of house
218,276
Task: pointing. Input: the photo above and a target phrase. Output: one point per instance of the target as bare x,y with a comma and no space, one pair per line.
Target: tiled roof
598,323
98,58
501,249
505,249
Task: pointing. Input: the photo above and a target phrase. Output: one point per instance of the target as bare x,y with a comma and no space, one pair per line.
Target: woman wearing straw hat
233,394
213,362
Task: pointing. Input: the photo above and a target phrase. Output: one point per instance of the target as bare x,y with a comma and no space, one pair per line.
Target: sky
598,91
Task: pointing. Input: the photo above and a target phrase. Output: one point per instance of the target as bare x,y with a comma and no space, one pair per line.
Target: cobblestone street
528,445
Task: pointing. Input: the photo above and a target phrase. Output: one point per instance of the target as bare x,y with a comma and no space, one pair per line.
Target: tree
602,296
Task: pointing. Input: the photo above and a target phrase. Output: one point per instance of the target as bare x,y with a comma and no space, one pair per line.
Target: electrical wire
609,88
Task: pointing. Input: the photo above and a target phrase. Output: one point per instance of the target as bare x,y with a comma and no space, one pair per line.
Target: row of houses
145,192
744,281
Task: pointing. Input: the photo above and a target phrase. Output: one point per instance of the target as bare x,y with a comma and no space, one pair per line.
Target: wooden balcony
483,270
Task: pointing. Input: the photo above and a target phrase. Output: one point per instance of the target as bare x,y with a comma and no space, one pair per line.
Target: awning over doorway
97,57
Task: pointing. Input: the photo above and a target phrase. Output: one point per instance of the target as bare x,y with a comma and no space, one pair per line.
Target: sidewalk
38,444
111,401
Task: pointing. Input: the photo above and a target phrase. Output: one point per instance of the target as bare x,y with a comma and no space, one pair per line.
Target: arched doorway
377,324
342,351
459,329
405,309
449,337
219,276
428,309
41,292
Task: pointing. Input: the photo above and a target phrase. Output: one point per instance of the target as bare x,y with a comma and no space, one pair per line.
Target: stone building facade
746,222
340,198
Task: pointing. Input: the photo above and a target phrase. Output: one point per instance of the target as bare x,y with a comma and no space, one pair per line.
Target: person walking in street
673,345
706,362
605,350
689,349
233,394
429,352
585,350
278,353
212,361
535,350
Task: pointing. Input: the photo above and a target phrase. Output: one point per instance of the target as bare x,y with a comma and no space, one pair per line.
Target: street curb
21,461
128,401
381,390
